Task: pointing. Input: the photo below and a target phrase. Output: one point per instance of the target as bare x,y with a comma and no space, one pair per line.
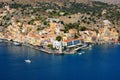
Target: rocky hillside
71,11
110,1
59,1
55,1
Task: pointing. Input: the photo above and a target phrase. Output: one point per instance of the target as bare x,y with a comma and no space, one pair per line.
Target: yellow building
52,27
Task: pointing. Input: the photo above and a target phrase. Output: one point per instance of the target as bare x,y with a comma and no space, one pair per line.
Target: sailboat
28,60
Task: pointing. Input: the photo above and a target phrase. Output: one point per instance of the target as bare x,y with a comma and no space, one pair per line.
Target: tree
119,38
96,31
58,38
76,36
46,23
82,28
40,28
50,46
31,22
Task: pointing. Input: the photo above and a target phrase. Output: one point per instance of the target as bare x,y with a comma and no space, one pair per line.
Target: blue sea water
100,63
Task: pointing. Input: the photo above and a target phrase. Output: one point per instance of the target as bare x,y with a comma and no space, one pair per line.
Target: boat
118,43
90,46
17,43
28,61
1,40
81,53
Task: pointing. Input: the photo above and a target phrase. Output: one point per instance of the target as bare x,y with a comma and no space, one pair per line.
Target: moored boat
81,53
1,40
17,44
28,61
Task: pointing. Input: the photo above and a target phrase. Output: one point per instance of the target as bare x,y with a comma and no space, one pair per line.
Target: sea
101,62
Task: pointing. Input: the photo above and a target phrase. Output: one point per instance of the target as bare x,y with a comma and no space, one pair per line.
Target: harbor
97,64
70,50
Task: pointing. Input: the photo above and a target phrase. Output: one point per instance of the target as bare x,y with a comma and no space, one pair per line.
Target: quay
70,50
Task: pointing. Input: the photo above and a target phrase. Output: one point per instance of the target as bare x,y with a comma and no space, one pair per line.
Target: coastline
56,52
47,51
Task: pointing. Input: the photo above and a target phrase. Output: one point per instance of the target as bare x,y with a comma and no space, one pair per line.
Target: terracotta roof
73,40
34,36
72,31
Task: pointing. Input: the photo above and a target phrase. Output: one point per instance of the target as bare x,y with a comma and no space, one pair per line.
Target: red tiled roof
73,40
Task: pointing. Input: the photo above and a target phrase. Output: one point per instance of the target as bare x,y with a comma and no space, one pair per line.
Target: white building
53,20
7,7
56,44
106,22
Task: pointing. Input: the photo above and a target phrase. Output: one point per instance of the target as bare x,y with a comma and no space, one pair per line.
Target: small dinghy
1,40
28,61
17,43
81,53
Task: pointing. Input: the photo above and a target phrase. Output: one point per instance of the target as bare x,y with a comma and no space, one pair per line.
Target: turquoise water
100,63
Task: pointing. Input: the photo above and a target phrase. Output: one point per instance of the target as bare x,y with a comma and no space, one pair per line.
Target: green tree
40,28
58,38
119,38
31,22
76,36
50,46
82,28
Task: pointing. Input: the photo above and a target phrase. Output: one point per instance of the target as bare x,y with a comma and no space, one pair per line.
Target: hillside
71,11
110,1
33,1
59,1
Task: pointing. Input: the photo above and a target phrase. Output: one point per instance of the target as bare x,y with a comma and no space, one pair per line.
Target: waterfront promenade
71,49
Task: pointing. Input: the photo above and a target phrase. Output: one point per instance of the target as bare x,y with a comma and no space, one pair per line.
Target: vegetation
58,38
40,28
76,36
94,10
71,26
82,28
119,38
31,22
46,23
74,26
1,5
50,46
91,14
16,5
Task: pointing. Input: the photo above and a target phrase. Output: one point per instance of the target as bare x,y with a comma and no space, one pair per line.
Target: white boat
81,53
90,46
1,40
118,43
28,61
17,43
